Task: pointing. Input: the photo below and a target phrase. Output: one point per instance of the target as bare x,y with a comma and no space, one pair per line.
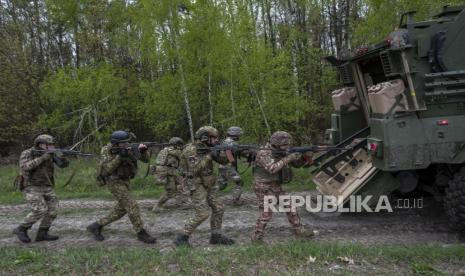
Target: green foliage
382,17
74,67
286,258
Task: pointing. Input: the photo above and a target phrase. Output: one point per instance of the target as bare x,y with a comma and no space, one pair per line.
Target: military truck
402,111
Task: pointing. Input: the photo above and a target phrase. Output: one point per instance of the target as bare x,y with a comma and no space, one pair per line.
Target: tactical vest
127,169
282,176
42,175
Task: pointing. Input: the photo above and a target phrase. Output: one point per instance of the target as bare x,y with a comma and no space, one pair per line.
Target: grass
290,258
84,185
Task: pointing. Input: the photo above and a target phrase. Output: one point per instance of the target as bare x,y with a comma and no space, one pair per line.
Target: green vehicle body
419,137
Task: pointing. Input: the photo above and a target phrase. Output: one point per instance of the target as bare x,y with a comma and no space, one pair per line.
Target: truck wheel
454,202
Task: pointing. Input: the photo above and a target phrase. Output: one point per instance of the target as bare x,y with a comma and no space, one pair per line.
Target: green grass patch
83,184
294,257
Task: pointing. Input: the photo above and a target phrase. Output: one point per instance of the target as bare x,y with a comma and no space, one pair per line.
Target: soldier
271,170
167,170
229,172
117,166
197,161
37,173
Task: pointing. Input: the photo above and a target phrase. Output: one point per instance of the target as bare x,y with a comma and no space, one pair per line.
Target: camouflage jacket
37,170
167,161
114,166
269,167
198,164
230,142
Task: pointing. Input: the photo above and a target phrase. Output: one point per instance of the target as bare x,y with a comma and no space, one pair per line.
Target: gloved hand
46,156
124,152
293,157
142,148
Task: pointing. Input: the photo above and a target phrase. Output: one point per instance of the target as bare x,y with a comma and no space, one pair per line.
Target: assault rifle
134,149
150,144
65,152
253,148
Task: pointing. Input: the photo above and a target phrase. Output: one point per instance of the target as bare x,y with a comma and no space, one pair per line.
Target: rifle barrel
65,152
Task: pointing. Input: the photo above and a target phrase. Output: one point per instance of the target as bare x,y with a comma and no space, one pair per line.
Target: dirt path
413,226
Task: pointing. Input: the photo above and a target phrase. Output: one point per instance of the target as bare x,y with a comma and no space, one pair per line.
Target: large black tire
454,202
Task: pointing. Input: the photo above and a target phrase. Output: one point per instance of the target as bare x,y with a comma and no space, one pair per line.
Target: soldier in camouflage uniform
271,170
229,172
197,161
167,170
37,181
117,166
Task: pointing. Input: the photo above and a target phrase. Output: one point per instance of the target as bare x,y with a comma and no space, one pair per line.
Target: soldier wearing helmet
197,161
168,172
37,174
229,172
117,166
271,170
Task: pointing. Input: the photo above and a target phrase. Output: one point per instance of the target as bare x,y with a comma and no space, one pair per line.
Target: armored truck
401,109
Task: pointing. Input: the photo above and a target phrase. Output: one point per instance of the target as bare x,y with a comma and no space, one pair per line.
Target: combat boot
220,239
182,240
43,235
257,238
21,232
143,236
96,230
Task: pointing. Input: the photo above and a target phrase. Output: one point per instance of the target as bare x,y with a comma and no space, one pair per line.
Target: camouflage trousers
43,204
172,184
227,174
263,189
204,198
125,205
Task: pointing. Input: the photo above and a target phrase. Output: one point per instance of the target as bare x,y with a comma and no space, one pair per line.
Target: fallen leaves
346,260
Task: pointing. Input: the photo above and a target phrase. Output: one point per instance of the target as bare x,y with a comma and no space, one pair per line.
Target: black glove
124,152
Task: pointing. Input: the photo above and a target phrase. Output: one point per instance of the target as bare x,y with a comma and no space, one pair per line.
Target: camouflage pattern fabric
203,199
168,172
171,189
38,168
114,166
204,193
265,184
43,204
117,171
125,205
263,189
229,173
268,164
38,172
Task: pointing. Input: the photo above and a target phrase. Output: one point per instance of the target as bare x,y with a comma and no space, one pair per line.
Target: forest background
79,69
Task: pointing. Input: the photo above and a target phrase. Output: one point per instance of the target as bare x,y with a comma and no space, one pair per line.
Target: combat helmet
120,136
44,139
280,138
234,131
204,133
176,141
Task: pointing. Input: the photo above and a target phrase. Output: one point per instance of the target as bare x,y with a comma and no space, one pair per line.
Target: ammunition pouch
286,175
262,173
